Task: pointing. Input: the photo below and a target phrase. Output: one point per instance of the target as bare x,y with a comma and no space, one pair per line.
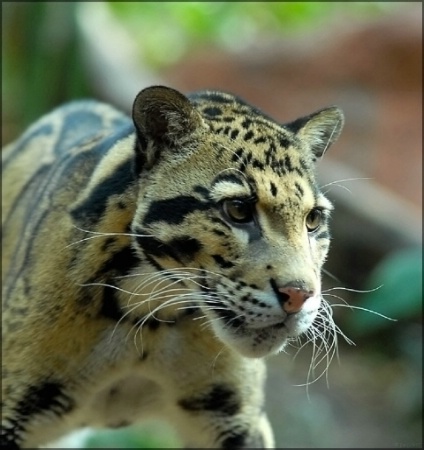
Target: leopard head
228,203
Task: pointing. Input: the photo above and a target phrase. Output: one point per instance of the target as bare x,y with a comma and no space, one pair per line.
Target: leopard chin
263,338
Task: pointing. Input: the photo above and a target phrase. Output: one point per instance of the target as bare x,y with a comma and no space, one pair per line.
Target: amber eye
238,211
314,219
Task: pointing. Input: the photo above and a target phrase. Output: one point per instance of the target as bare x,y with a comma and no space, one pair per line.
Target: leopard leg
238,432
224,409
36,416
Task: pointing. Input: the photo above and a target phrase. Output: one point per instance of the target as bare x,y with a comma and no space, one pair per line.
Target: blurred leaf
400,294
41,56
166,30
132,437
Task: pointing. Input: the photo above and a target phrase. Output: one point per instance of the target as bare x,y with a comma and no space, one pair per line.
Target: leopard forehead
219,153
230,116
243,153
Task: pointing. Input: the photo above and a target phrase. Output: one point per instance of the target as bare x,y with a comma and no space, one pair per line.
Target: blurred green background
42,44
311,53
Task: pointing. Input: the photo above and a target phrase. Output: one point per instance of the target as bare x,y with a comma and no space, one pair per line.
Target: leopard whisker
360,308
98,234
341,288
336,183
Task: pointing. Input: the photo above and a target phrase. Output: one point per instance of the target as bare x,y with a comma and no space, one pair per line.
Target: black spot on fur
237,155
235,440
155,247
174,210
225,264
201,190
153,324
227,130
218,97
288,163
219,232
220,399
212,111
269,154
110,308
274,189
120,262
9,439
143,356
303,165
189,311
299,190
153,263
45,396
284,141
248,158
185,246
230,177
93,208
108,242
249,135
230,317
246,123
234,134
258,164
260,140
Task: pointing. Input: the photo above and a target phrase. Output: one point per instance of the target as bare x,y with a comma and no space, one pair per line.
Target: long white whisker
341,305
97,234
337,184
366,291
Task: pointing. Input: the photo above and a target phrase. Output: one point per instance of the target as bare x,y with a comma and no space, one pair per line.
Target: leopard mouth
259,338
254,342
240,322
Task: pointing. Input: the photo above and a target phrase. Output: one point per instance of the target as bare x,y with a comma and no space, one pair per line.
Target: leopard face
230,211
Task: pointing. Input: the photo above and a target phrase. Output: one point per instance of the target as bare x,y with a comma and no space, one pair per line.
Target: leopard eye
314,219
238,211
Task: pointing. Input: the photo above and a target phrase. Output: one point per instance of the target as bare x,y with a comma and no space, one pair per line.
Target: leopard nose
292,296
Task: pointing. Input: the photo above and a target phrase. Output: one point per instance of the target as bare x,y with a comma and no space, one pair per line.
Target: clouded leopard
149,265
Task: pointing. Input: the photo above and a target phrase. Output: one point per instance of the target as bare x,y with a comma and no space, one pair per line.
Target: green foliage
41,60
164,31
400,294
146,436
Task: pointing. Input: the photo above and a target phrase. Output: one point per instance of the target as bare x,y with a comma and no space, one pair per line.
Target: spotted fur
149,265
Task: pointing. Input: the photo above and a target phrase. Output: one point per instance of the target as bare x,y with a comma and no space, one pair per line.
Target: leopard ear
163,117
319,129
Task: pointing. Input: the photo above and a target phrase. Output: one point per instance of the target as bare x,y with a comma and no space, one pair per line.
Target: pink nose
295,298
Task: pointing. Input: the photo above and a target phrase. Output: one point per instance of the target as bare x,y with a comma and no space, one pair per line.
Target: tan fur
104,325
